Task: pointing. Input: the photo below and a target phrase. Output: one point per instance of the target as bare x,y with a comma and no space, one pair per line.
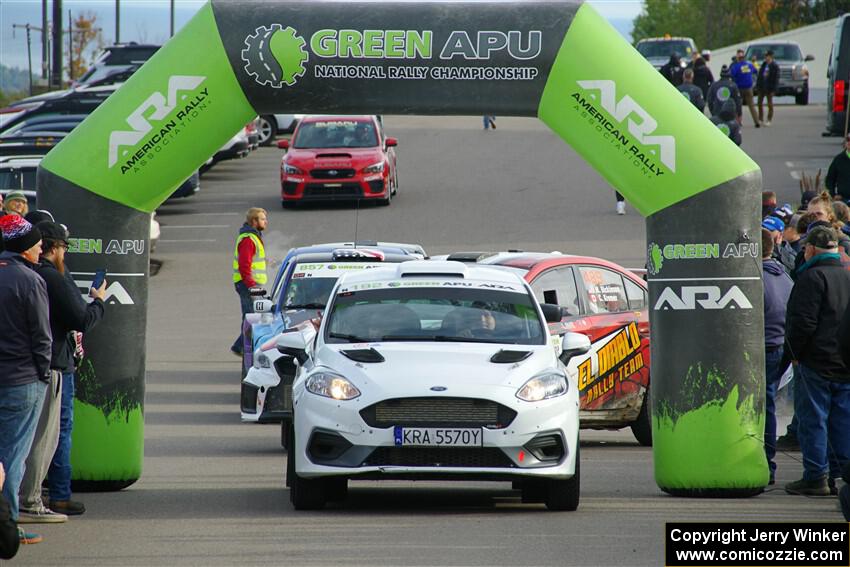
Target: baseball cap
53,231
12,195
822,237
773,224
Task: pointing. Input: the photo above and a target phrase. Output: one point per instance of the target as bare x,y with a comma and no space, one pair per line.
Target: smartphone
99,276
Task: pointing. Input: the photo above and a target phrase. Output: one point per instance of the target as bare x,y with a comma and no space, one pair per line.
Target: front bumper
265,397
792,88
306,188
333,439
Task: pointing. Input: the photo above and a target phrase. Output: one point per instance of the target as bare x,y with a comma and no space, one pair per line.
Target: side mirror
392,142
552,313
263,306
809,58
283,144
573,344
293,344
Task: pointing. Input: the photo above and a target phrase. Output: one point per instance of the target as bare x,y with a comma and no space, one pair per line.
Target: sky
147,21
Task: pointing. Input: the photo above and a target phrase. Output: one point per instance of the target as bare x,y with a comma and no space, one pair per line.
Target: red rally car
338,158
608,303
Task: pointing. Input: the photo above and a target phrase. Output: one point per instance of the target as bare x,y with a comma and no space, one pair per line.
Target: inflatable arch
556,60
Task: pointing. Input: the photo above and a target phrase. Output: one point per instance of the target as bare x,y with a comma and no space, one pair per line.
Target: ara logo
115,293
690,298
155,108
642,128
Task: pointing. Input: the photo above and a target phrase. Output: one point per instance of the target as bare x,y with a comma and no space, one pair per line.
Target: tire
267,129
386,202
304,493
642,426
285,427
395,185
803,98
563,495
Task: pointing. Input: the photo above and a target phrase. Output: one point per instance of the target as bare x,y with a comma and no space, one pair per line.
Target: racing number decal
617,359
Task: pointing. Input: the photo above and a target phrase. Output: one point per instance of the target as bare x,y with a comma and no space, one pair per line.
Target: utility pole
29,48
45,57
117,21
70,47
56,71
172,19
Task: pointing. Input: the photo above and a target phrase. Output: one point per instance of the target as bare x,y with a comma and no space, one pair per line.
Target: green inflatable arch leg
556,60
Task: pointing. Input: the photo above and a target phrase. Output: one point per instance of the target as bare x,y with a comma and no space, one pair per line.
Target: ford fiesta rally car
433,370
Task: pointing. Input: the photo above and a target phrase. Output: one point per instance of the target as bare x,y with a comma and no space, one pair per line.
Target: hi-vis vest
258,262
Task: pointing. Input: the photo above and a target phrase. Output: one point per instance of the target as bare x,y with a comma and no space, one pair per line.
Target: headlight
543,387
291,170
374,168
331,386
262,361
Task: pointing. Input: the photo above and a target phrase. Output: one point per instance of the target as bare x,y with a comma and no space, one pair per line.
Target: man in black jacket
838,176
721,91
24,348
672,70
766,84
818,302
52,447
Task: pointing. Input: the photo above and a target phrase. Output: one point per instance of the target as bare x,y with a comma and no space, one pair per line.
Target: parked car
793,72
300,290
657,50
434,370
838,78
82,100
334,158
270,125
116,59
17,173
29,143
608,303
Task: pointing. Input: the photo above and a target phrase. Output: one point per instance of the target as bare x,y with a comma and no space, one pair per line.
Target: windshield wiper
304,306
435,338
349,338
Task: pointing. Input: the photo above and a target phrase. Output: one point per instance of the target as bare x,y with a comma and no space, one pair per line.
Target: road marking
194,225
191,240
702,279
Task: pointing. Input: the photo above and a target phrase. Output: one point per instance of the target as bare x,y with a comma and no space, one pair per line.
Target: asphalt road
212,491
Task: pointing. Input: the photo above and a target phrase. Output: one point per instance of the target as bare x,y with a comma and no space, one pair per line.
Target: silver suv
793,72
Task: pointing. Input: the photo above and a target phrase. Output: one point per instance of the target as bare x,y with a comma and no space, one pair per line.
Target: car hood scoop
509,356
334,155
363,355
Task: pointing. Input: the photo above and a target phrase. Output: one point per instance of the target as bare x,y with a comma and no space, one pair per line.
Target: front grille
279,398
438,412
343,190
249,398
289,187
785,74
332,173
473,457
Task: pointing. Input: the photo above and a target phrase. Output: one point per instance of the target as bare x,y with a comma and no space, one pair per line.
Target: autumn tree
715,23
86,42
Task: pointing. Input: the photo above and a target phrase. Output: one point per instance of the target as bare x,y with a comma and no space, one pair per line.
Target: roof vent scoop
510,356
363,355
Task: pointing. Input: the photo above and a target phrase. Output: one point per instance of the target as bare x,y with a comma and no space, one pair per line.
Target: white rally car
434,370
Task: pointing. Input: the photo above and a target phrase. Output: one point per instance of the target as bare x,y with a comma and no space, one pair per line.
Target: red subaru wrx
334,158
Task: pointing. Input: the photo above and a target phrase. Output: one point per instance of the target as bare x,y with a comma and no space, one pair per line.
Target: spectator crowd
41,326
806,273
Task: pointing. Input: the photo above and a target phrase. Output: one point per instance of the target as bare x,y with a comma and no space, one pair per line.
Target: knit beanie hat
18,234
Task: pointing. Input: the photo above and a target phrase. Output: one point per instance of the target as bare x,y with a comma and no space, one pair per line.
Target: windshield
781,52
426,314
336,134
312,282
21,179
665,48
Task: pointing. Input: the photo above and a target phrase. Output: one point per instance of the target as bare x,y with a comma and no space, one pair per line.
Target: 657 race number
437,437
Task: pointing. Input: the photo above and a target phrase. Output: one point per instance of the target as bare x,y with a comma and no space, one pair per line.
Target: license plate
333,184
437,437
